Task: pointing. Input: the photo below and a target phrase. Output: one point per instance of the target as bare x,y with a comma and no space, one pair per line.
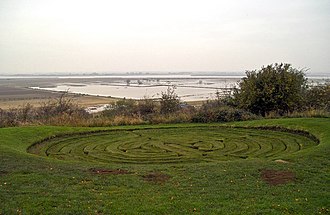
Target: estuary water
188,88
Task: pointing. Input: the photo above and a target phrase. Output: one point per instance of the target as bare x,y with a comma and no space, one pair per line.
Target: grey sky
41,36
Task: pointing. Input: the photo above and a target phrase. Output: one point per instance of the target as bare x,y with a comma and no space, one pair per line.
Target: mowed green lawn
167,169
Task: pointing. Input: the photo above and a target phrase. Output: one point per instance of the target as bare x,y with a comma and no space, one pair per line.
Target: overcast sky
43,36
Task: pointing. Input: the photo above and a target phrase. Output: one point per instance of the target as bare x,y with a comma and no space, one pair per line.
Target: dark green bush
276,88
318,98
209,113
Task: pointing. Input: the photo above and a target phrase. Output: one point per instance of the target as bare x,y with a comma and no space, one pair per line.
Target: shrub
62,106
210,112
128,107
275,88
8,118
127,120
318,98
183,115
61,111
146,107
169,102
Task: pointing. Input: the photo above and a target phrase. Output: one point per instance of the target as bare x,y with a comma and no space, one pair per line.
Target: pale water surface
188,88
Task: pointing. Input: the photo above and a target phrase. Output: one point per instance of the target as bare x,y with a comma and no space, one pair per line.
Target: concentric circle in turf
174,145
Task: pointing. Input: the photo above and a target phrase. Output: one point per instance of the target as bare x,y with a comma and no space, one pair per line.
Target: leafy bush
318,98
130,107
276,88
213,111
125,107
169,102
147,107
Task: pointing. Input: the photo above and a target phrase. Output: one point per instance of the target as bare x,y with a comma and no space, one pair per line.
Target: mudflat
16,92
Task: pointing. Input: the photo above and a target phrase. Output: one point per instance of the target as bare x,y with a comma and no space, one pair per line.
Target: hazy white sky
42,36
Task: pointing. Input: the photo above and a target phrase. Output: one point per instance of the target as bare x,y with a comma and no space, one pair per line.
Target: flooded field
188,88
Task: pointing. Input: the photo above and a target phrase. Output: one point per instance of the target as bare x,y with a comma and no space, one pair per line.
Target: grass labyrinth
173,145
161,169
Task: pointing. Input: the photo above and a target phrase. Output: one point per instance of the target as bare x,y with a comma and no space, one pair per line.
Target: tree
275,88
128,82
169,102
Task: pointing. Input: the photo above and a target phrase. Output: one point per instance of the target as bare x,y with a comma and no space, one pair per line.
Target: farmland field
254,167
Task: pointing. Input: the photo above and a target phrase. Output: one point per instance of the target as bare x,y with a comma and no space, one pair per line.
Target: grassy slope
32,184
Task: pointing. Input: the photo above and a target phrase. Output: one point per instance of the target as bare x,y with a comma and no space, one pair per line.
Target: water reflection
187,89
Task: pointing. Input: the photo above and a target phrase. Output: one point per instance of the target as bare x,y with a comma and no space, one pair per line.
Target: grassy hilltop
168,169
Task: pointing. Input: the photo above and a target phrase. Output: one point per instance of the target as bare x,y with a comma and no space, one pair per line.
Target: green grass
173,145
212,169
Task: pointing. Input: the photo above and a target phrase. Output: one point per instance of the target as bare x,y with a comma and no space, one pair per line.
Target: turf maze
174,145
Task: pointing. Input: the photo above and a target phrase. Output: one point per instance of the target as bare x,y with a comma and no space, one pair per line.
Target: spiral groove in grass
173,145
